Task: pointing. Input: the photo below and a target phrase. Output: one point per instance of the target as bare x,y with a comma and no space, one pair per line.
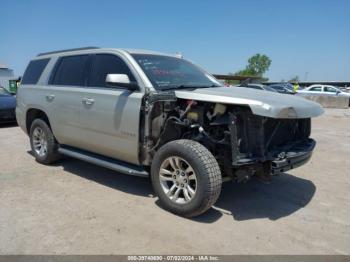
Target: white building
6,74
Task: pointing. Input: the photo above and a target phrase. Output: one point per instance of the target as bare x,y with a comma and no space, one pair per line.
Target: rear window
70,70
34,71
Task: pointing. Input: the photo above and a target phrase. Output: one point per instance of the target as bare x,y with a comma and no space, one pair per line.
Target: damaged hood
262,103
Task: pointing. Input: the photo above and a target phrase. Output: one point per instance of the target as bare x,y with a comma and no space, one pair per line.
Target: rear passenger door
110,116
65,95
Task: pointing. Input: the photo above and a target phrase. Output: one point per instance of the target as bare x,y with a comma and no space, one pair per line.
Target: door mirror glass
120,80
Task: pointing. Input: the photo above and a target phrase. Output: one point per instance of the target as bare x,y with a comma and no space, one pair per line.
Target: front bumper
295,156
7,115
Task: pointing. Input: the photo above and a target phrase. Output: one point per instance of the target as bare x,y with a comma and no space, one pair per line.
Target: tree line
257,66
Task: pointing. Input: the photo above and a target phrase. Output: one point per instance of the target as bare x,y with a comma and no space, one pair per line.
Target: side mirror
120,80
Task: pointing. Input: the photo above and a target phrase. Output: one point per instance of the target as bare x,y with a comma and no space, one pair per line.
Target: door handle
88,101
50,97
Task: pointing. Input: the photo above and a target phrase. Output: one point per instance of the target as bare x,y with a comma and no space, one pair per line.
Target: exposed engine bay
243,144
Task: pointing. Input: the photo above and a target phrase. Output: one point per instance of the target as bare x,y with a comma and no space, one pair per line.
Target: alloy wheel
39,142
178,180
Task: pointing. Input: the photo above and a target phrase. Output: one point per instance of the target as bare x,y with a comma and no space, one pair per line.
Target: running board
106,162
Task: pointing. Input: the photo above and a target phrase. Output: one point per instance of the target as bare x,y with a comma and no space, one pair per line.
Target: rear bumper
294,157
20,117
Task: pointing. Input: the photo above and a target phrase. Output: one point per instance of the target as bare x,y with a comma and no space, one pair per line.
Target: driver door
110,116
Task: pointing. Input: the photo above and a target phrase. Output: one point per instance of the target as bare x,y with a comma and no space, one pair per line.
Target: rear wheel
186,177
43,143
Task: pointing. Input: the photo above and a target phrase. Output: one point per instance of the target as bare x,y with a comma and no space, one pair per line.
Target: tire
197,182
49,152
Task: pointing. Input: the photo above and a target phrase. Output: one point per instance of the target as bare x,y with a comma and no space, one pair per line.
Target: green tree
257,66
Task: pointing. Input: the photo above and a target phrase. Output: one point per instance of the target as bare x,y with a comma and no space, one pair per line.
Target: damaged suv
160,116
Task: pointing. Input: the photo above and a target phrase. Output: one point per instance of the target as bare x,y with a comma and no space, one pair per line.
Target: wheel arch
35,113
208,176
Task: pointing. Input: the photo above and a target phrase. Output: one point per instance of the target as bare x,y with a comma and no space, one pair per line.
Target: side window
316,89
104,64
330,89
34,71
70,70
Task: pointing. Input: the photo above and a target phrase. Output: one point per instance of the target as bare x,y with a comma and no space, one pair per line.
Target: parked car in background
323,90
345,89
7,106
258,87
224,83
283,88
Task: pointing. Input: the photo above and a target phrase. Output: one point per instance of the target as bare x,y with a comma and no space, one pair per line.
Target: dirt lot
77,208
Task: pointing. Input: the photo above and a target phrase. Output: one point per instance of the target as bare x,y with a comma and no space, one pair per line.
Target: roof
85,49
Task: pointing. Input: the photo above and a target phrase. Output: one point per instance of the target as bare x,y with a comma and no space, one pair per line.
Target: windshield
277,87
4,92
289,87
270,89
167,72
282,87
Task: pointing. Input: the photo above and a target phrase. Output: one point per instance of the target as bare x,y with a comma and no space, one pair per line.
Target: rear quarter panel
29,97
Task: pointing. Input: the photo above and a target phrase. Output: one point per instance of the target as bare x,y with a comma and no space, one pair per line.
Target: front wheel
186,177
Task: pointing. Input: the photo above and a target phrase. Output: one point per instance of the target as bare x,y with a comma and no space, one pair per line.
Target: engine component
157,124
193,116
219,109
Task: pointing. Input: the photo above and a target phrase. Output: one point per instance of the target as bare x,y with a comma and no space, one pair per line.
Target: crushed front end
256,145
244,144
271,145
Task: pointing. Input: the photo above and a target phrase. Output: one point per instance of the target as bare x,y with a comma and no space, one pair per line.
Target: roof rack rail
67,50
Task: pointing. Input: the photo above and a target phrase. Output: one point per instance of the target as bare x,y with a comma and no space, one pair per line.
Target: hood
261,103
7,102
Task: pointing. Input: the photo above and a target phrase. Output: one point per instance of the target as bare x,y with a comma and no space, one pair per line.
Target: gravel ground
77,208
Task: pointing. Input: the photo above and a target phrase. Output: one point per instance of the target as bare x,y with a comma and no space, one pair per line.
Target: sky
308,38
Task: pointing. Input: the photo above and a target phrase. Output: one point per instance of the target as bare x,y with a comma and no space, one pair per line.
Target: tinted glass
316,88
289,87
277,87
34,71
70,70
330,89
269,89
166,72
103,65
4,92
